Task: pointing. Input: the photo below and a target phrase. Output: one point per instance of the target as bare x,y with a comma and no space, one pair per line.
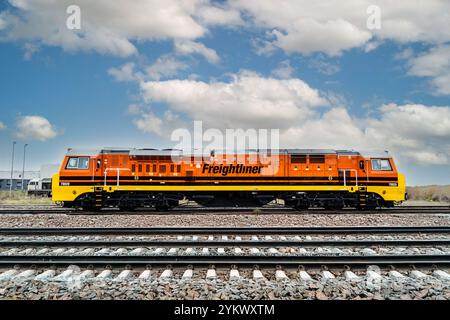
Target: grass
431,193
20,197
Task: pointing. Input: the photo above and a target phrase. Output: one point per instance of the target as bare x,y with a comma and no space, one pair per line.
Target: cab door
347,170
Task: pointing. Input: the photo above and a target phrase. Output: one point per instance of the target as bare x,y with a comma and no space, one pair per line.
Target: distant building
46,171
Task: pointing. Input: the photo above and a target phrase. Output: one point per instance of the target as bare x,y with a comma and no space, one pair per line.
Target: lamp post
12,169
23,165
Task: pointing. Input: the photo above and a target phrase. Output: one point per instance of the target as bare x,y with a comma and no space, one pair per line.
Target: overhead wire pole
23,165
12,169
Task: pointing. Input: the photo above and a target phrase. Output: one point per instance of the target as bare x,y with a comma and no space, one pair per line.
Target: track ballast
438,209
223,247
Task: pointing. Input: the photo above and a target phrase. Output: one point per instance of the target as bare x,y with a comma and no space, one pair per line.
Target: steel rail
227,260
221,243
224,230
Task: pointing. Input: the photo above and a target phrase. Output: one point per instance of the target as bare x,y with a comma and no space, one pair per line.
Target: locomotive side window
298,159
316,159
162,169
78,163
381,165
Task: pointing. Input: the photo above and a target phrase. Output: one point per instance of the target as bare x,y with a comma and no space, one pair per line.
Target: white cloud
2,126
323,66
248,100
125,73
134,108
165,66
404,54
327,26
30,49
334,128
419,132
414,133
434,64
108,27
331,37
35,128
305,117
147,121
284,70
2,21
263,47
431,63
187,47
294,25
219,15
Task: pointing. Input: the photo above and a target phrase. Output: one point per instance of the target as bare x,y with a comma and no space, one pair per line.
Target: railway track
223,246
220,243
235,263
225,230
440,209
228,260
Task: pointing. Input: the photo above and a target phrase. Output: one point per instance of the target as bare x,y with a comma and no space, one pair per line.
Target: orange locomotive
303,178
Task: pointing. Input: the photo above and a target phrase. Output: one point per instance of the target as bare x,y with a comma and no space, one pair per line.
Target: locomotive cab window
381,165
72,163
83,163
78,163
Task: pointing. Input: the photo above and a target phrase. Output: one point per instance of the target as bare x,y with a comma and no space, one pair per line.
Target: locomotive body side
302,178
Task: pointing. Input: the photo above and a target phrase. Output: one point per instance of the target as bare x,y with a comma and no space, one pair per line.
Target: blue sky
58,93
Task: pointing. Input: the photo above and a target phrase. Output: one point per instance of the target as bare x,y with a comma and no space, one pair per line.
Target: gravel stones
153,287
176,219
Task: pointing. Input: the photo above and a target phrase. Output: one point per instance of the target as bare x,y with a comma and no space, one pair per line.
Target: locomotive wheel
302,204
162,207
338,204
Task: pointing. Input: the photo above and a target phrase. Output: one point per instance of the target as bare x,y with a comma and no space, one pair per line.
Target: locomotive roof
169,152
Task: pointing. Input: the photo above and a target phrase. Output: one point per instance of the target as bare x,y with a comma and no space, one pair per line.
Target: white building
46,171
